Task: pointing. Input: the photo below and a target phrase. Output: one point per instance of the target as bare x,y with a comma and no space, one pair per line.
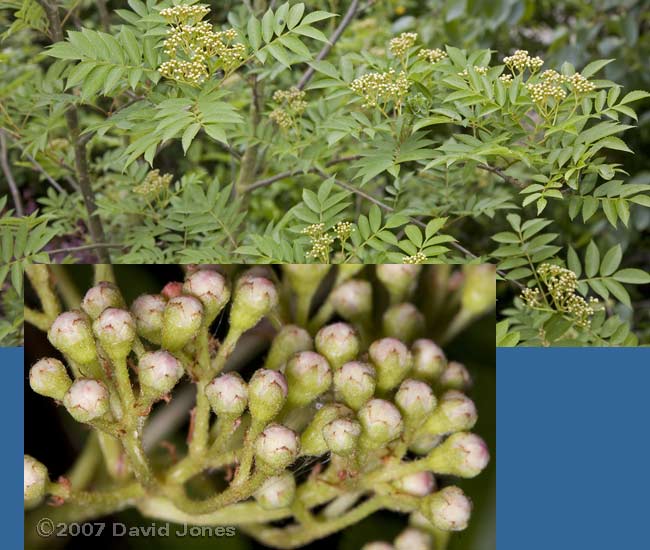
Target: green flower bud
381,423
413,539
312,441
290,339
429,360
159,371
148,311
267,392
101,297
341,436
448,509
49,377
353,299
211,288
86,400
227,394
347,271
392,361
455,377
115,330
455,412
182,320
404,322
419,484
308,375
254,298
354,384
276,448
338,343
305,278
277,492
463,454
415,400
71,335
34,481
399,279
479,291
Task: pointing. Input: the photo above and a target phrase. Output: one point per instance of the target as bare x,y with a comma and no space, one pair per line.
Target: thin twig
505,177
347,19
11,182
282,175
84,247
81,162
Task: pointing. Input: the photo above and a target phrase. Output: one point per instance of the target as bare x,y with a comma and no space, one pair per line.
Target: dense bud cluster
432,56
373,410
154,183
291,103
401,44
194,48
561,287
378,89
521,61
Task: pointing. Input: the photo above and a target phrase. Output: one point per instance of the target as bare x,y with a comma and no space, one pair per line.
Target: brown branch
347,19
81,162
505,177
282,175
11,182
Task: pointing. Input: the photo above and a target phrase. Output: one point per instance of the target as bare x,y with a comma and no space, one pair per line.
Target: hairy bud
354,384
455,412
49,377
341,436
182,319
254,298
305,278
211,288
415,400
227,394
308,375
419,484
404,322
115,330
172,289
101,297
392,361
353,299
147,310
267,392
381,423
399,279
34,481
429,360
159,371
290,339
455,377
312,441
71,335
276,447
276,492
86,400
339,343
448,509
463,454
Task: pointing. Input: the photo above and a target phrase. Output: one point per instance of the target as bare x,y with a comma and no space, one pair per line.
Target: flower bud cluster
520,61
401,44
292,104
154,183
432,56
381,88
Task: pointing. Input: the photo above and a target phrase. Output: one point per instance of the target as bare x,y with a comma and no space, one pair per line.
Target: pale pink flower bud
429,360
182,320
418,484
448,509
339,343
354,384
341,436
254,298
101,297
71,334
308,375
227,394
49,377
413,539
455,377
277,492
35,480
353,299
86,400
290,339
267,392
276,447
148,312
463,454
403,321
381,422
415,399
159,371
211,288
115,330
392,361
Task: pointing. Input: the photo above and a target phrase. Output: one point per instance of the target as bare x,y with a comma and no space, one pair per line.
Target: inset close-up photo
238,407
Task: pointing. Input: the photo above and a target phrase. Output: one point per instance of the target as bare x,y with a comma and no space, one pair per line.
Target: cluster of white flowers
580,84
479,70
376,88
520,61
552,85
153,183
281,118
506,78
343,230
191,43
432,56
401,44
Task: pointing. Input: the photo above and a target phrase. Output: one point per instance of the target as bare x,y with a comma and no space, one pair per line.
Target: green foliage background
440,176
